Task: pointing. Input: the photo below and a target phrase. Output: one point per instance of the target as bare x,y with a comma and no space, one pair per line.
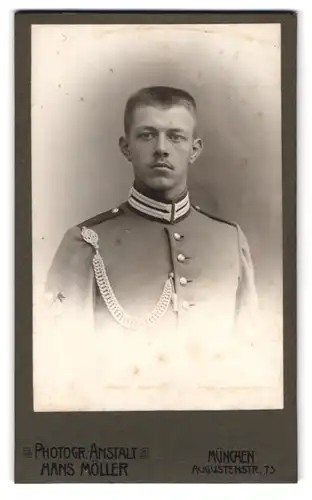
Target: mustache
162,163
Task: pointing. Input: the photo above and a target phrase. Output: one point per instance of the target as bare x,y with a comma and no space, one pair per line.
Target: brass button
183,281
115,210
181,257
177,236
185,305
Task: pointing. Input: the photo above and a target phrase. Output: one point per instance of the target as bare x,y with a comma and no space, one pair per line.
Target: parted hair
157,96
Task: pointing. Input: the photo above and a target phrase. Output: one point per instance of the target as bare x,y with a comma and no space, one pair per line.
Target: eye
146,136
175,137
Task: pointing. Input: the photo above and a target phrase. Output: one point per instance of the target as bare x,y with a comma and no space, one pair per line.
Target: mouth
162,165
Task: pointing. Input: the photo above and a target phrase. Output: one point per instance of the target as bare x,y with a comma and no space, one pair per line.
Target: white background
302,490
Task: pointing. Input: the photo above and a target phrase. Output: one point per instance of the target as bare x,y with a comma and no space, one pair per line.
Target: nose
161,145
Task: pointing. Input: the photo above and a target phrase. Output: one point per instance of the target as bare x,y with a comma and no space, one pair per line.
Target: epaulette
97,219
218,219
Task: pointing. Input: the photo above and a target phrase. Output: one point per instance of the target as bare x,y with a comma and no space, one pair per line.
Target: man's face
161,145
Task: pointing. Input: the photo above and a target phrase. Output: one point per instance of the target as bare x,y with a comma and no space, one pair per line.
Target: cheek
141,152
183,150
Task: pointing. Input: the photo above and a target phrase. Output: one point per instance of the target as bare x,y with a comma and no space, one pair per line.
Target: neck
166,211
161,195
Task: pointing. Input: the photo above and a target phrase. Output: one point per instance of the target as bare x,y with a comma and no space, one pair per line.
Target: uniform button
183,281
181,257
177,236
115,210
185,305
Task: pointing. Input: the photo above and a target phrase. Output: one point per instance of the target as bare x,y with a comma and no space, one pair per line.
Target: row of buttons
181,258
183,281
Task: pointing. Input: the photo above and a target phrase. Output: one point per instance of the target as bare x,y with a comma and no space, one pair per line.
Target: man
153,292
156,259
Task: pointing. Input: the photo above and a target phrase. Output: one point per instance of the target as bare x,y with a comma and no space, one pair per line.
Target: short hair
159,97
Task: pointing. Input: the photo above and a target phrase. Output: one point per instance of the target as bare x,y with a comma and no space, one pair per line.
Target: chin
160,184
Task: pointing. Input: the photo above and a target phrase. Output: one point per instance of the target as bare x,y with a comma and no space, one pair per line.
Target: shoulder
73,235
113,213
240,237
231,227
216,220
230,232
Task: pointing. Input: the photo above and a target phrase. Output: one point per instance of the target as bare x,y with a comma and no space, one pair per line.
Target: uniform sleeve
62,325
69,285
246,295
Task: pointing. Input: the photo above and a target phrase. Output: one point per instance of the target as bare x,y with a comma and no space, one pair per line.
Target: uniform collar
166,211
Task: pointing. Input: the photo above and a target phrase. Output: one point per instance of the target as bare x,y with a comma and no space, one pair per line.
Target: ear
124,148
197,148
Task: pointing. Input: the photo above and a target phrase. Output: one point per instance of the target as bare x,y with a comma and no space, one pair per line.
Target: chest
139,256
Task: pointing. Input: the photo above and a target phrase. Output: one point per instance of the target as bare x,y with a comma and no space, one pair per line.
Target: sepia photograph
157,236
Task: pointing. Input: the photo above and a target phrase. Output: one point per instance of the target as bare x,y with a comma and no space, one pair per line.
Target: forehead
177,116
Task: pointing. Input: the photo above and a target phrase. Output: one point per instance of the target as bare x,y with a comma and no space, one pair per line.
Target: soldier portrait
158,277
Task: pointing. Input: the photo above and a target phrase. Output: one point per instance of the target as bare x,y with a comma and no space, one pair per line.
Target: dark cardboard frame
176,440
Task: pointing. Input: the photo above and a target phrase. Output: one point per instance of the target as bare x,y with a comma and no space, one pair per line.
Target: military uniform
152,265
148,307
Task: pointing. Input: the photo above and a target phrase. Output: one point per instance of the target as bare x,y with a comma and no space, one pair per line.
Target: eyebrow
149,127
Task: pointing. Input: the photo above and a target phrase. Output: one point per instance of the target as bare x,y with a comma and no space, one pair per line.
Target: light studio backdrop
81,78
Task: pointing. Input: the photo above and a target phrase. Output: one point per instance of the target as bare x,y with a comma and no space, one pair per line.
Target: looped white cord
109,297
90,237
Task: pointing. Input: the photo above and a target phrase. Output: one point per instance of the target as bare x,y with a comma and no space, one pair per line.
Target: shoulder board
97,219
218,219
